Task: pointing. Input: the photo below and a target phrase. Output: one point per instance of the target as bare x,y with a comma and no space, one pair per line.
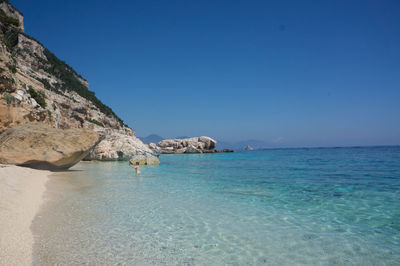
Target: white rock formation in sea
121,145
248,148
144,160
154,146
189,145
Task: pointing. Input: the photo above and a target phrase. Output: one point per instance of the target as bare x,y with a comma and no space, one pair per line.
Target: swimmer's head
137,163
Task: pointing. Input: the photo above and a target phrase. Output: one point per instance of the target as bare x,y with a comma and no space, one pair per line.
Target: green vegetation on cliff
38,96
70,81
94,121
11,38
8,20
9,98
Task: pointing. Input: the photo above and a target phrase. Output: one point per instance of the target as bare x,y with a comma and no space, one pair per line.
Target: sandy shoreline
21,194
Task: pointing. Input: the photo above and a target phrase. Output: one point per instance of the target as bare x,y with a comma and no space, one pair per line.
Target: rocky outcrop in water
224,151
144,160
187,145
248,148
39,146
121,146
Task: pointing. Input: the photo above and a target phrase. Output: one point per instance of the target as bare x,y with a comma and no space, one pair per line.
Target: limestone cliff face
35,86
12,12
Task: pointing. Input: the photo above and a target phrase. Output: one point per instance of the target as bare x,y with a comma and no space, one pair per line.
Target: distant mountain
182,137
241,145
151,138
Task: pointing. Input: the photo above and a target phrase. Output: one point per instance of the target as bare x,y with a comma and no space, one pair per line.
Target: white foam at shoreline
21,194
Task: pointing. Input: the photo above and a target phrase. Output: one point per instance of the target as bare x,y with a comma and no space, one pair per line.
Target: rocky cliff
36,86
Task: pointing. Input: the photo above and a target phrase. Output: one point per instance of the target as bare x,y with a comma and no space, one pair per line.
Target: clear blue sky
292,73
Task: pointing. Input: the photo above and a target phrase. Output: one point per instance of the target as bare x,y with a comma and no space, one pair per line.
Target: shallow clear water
332,206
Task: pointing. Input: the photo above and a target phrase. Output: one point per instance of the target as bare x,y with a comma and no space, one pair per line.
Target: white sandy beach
21,194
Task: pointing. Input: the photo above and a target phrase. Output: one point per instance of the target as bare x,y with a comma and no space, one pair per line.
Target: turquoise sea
320,206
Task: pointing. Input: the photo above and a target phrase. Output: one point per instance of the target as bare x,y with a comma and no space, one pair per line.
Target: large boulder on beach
188,145
39,146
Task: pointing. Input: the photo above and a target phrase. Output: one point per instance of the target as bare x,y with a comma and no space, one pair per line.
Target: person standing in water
137,167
